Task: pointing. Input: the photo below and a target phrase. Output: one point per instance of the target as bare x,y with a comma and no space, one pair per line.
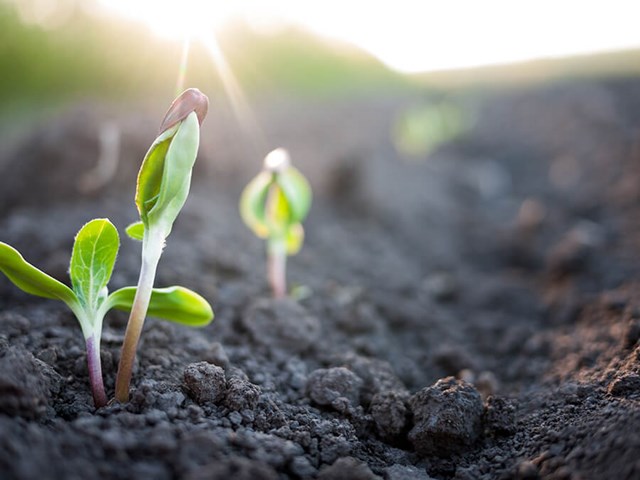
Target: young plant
273,205
94,254
163,185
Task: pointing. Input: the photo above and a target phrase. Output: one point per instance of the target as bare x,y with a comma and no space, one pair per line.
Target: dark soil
471,315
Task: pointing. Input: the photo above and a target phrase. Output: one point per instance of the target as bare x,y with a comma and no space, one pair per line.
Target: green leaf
32,280
136,231
253,203
151,171
278,213
297,191
273,203
175,304
94,254
294,239
176,176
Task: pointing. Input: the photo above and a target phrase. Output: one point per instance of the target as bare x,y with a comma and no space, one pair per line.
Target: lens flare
197,21
243,112
412,36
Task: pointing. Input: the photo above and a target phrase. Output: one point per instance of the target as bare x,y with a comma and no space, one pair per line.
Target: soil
473,314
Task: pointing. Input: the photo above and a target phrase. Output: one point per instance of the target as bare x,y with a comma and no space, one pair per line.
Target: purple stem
95,372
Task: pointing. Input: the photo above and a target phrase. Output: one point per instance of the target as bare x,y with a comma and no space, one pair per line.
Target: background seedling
163,186
94,254
273,205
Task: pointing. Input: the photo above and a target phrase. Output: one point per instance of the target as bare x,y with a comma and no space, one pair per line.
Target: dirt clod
205,383
241,394
447,417
377,375
389,412
331,386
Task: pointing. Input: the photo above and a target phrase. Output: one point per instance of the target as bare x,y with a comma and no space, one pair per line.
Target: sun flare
186,19
412,36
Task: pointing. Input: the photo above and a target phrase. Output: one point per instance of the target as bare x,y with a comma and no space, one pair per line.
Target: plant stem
95,371
151,251
277,266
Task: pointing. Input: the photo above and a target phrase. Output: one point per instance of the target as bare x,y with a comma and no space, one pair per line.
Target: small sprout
163,186
94,254
273,205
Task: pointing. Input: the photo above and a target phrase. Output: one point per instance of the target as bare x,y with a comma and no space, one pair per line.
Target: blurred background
53,52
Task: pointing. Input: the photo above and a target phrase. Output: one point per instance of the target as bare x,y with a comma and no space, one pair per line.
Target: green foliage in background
111,57
424,127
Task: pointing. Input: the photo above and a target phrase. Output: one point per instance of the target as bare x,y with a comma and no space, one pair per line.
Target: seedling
273,205
163,186
94,255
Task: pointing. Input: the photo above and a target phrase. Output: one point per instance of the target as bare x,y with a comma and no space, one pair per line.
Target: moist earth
473,313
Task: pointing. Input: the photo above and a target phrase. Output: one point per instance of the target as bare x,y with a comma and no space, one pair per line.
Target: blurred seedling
109,138
422,128
163,185
273,205
94,254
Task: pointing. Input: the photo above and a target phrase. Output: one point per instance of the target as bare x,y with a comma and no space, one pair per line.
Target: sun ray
239,104
184,61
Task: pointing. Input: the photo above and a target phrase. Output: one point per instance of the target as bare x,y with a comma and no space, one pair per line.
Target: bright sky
418,35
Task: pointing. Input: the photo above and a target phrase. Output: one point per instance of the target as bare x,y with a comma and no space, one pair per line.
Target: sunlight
239,104
196,20
412,36
188,18
182,69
